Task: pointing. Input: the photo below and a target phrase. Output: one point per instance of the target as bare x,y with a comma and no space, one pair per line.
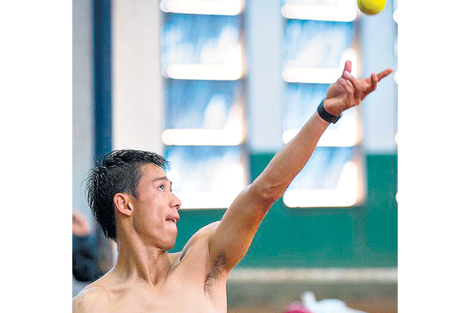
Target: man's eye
161,187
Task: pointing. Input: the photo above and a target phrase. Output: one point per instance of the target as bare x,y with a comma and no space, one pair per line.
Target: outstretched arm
233,236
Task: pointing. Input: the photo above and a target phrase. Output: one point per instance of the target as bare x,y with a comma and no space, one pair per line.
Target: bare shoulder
203,234
198,243
91,299
206,231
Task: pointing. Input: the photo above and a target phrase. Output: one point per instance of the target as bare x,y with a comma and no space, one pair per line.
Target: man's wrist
327,115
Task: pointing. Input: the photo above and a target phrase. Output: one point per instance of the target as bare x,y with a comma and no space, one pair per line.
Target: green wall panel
364,236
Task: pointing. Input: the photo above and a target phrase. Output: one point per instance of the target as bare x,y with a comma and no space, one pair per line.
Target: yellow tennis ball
371,7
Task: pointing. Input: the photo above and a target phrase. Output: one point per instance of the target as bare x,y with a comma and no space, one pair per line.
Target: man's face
156,209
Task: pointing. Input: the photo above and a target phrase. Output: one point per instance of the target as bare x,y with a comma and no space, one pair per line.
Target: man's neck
140,262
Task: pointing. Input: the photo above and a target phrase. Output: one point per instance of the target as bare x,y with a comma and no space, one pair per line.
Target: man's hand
80,226
349,91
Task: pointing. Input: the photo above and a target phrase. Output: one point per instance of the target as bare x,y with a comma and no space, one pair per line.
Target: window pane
316,44
201,47
206,177
202,104
323,170
202,59
331,178
314,53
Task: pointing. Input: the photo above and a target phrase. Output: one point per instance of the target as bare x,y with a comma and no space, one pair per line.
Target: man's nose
176,203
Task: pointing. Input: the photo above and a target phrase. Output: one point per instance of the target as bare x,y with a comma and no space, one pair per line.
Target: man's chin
170,245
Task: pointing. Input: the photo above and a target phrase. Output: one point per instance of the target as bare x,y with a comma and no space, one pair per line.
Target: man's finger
354,81
346,85
374,80
384,74
347,67
358,89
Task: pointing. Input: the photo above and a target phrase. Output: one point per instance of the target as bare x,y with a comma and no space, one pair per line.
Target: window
319,36
202,61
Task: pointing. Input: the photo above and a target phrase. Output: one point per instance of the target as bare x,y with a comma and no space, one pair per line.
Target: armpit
215,270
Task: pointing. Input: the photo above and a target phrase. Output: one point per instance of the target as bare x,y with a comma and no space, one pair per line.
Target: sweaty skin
146,278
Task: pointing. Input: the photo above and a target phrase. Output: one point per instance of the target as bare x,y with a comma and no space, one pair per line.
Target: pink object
296,308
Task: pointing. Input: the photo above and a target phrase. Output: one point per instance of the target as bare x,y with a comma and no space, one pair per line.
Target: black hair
118,172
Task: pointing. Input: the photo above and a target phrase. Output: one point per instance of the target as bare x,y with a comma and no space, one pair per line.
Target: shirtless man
132,199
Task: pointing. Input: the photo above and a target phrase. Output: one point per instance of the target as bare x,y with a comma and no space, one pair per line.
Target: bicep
232,237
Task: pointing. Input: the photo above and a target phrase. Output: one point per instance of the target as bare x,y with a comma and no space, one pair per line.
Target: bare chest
184,297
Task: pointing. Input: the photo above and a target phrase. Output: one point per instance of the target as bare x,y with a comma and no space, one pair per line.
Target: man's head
115,182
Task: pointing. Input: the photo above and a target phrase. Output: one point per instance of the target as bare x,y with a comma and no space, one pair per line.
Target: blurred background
218,87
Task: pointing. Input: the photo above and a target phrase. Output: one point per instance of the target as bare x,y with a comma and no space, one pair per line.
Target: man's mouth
173,219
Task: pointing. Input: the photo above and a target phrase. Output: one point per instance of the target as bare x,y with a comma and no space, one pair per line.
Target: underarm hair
216,270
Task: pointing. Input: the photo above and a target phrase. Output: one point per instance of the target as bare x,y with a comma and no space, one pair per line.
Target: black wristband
325,115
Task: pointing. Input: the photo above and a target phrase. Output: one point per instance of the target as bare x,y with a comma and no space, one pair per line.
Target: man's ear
122,204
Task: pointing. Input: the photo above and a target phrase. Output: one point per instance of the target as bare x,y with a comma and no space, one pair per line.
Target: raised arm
233,236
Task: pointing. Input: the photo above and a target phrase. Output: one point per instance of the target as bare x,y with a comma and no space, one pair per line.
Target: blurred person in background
84,250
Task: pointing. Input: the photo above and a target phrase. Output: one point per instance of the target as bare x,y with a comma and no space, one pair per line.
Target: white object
326,305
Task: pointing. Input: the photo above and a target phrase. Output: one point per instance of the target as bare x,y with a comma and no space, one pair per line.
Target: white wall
137,82
265,90
82,96
379,110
